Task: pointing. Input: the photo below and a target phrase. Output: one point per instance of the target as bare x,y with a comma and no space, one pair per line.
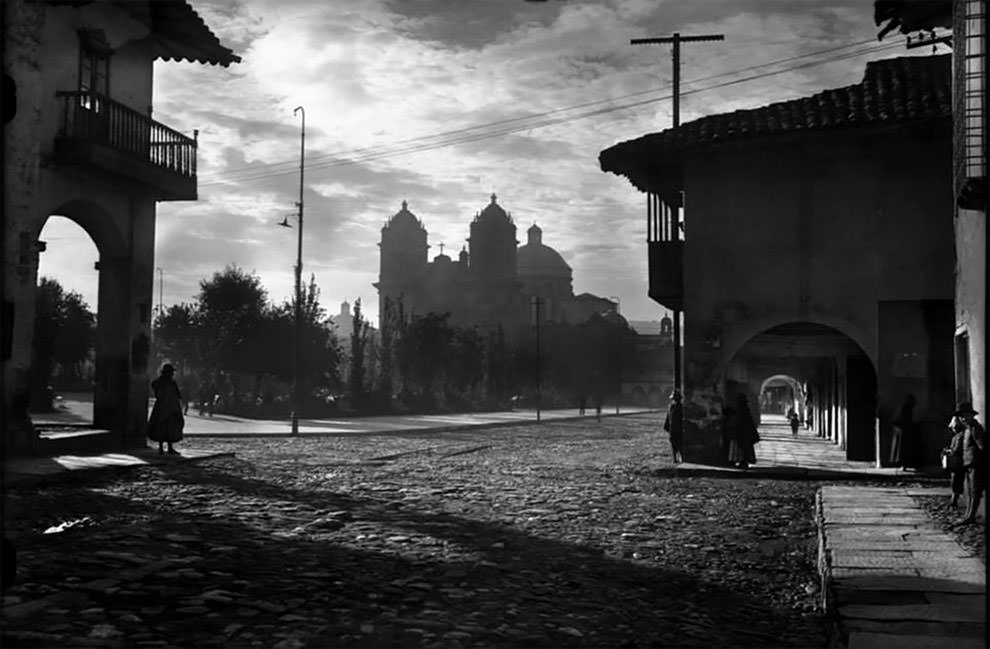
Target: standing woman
744,435
166,422
674,424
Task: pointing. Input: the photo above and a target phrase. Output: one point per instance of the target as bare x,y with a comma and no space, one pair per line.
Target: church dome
405,220
493,213
538,259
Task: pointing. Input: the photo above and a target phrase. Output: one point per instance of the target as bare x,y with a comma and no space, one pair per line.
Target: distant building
80,142
817,244
493,282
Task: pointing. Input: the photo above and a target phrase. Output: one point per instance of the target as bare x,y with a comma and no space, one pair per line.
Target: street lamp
298,311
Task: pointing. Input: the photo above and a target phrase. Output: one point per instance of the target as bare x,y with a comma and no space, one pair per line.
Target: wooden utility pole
676,41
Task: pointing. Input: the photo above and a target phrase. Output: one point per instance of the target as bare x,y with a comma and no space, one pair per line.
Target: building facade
493,283
81,143
837,271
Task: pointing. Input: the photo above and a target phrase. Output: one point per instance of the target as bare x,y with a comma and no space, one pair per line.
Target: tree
359,340
177,336
64,331
232,307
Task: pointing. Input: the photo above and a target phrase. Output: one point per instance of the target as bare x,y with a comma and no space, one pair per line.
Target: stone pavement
891,578
31,470
779,454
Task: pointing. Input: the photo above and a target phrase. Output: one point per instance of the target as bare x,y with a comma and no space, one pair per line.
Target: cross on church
441,248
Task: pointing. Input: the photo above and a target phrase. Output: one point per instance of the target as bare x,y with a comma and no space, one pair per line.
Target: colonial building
968,22
817,244
492,282
80,143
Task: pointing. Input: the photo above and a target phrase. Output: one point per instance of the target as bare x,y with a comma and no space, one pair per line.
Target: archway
779,394
64,340
825,368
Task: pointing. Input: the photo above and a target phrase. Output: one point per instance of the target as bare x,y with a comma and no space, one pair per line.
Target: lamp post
161,312
297,351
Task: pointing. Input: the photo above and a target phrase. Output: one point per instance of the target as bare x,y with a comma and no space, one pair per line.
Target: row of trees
62,346
232,341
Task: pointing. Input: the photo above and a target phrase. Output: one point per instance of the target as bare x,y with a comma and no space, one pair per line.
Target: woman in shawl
743,435
166,421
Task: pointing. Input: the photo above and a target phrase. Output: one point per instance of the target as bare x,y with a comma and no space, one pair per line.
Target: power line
545,113
463,136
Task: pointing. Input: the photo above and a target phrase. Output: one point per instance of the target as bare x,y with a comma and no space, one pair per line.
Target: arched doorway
826,370
64,342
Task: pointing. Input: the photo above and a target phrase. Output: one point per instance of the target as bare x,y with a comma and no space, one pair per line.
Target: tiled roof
893,91
178,31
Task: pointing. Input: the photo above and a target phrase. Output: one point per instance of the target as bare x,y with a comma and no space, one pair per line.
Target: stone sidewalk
891,578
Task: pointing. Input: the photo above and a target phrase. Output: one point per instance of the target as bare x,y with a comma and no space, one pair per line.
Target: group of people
739,434
965,459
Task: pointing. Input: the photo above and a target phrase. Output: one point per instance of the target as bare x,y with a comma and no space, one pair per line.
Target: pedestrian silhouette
166,422
674,425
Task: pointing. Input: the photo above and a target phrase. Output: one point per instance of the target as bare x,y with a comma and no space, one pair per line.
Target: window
94,66
963,388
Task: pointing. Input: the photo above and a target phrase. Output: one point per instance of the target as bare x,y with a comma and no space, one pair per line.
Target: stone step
75,440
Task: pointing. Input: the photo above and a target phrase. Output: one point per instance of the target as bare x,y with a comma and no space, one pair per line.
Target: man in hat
973,458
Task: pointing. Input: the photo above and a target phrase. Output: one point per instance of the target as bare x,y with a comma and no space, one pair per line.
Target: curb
830,614
63,476
413,431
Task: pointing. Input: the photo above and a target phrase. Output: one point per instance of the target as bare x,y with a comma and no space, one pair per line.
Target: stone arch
841,379
793,383
114,367
734,336
96,221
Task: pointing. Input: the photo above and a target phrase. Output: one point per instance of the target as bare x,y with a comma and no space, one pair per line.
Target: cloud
376,75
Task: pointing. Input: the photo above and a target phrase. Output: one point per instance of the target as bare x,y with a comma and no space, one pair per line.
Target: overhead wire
595,102
535,121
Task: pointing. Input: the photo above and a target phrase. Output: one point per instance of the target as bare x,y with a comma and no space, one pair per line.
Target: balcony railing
96,119
666,253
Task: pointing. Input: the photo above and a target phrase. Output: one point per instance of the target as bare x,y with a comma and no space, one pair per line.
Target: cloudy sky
443,102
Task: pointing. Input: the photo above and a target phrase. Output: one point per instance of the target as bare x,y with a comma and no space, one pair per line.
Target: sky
442,103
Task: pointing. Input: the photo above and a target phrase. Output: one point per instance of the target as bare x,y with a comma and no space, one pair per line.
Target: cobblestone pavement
566,534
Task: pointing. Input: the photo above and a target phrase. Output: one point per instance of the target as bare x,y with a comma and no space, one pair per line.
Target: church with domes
492,282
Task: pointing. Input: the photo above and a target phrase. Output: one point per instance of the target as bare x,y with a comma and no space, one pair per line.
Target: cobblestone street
563,534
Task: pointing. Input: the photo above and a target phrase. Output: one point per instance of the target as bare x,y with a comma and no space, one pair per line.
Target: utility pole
676,41
536,306
297,352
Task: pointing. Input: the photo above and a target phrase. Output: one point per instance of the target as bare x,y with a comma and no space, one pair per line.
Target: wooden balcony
105,136
667,273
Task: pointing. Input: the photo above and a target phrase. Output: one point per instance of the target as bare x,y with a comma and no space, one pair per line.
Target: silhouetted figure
674,425
727,414
952,459
903,442
793,420
974,459
743,435
598,407
582,404
166,422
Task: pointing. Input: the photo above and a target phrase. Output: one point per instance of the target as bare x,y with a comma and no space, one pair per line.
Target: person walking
674,425
793,420
744,435
973,458
166,421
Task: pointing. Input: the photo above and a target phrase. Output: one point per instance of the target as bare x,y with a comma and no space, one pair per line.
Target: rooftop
893,92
